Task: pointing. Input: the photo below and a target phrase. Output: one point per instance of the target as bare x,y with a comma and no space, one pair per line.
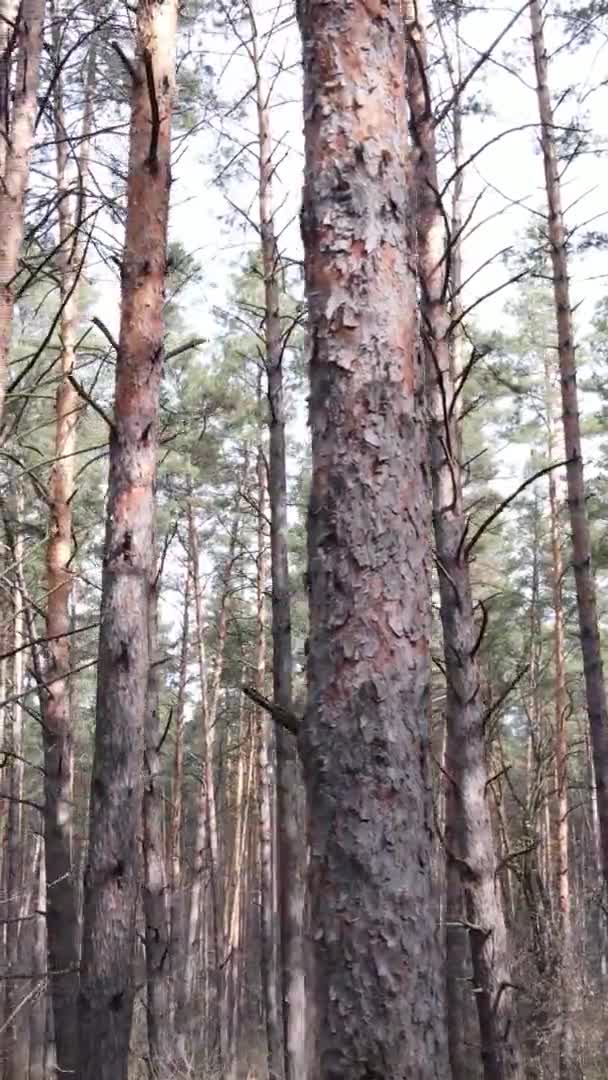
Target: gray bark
586,598
269,915
468,833
365,741
290,784
155,894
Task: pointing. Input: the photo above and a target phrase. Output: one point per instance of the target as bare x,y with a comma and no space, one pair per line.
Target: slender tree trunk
39,967
106,987
15,1057
207,827
562,856
365,737
16,154
269,927
156,913
63,914
457,937
291,798
9,10
586,597
235,888
469,837
176,812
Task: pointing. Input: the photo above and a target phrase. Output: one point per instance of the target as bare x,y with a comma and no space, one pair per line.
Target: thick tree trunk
63,915
16,162
290,781
586,597
365,739
269,928
469,837
106,987
156,913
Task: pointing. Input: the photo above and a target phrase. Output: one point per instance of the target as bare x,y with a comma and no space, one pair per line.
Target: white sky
509,173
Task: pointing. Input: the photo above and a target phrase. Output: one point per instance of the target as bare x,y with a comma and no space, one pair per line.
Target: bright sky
506,180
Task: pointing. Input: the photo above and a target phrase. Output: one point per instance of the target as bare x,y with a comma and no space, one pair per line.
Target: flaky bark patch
378,992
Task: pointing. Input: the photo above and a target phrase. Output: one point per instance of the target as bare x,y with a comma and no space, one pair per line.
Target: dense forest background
303,725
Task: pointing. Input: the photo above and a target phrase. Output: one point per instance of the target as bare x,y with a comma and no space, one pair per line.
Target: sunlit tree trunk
17,138
110,894
469,837
365,737
581,541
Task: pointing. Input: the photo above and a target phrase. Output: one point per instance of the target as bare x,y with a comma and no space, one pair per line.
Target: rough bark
269,928
155,894
106,986
63,915
364,737
27,40
469,837
290,781
586,597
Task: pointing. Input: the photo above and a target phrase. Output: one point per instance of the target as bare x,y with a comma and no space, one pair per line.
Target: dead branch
287,719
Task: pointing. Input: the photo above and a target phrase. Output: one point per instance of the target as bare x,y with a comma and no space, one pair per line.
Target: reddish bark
19,128
378,975
106,986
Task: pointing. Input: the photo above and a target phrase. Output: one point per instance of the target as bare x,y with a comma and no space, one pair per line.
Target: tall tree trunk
39,968
176,811
106,986
586,597
207,826
469,837
269,928
365,737
234,891
290,789
9,10
156,913
16,161
15,1055
560,693
63,915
